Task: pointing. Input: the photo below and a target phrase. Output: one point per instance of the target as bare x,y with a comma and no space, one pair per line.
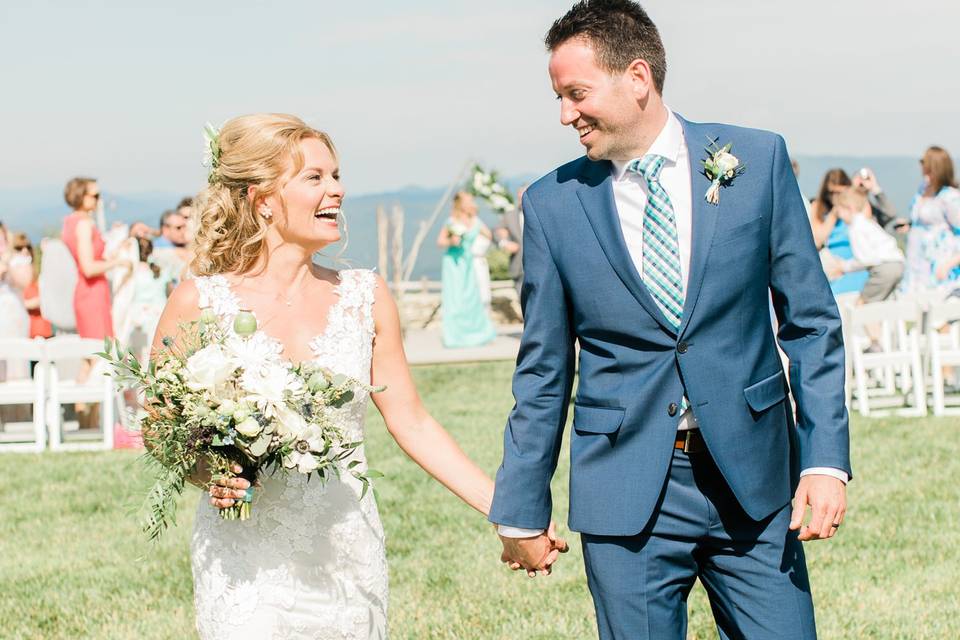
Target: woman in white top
16,271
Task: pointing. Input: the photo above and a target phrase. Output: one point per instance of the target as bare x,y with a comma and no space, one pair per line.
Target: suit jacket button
682,347
672,409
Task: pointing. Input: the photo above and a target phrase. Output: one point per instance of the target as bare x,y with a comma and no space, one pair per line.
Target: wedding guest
881,207
40,327
171,227
873,249
14,321
150,287
185,209
509,236
91,297
142,230
481,268
466,322
835,180
933,240
171,252
832,234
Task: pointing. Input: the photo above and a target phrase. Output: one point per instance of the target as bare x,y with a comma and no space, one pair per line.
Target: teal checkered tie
661,247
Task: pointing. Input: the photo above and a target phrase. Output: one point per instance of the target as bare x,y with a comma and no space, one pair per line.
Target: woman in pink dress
91,298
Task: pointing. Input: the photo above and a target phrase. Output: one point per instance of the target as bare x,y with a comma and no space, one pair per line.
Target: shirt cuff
839,474
517,532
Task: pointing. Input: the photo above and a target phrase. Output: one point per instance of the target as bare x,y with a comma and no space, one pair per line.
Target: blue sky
410,90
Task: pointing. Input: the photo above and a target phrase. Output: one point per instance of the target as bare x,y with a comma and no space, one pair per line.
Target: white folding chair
22,391
943,350
64,352
898,363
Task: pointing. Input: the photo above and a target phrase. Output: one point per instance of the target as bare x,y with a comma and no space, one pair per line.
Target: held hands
224,492
533,554
827,497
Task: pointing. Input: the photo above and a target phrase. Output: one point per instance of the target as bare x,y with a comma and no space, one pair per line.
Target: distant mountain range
39,211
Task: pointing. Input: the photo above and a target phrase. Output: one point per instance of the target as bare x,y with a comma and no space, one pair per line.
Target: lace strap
215,293
356,295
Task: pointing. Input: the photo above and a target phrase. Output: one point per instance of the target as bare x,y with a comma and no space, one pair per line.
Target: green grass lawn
73,563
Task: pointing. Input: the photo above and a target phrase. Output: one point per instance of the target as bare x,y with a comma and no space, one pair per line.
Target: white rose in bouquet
208,368
249,427
290,424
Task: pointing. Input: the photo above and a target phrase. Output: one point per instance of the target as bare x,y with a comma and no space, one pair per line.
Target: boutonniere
720,167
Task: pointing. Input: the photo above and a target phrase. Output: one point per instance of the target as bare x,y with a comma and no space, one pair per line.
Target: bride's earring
265,211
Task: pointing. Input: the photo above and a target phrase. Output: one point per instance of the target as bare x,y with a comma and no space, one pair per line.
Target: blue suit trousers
753,571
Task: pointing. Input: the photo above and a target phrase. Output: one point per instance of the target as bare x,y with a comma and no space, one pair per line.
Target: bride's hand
225,492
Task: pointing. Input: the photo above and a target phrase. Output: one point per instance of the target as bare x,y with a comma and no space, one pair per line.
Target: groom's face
603,108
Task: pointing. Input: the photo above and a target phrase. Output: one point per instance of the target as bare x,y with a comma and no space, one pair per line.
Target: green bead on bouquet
245,323
208,316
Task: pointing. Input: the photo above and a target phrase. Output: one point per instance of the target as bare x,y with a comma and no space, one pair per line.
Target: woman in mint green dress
465,319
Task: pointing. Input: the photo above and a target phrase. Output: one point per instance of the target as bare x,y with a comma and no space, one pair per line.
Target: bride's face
313,197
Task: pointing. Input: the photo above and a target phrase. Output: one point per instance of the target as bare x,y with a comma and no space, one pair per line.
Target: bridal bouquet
217,398
487,186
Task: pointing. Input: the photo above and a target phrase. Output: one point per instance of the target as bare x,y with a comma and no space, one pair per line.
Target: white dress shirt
630,195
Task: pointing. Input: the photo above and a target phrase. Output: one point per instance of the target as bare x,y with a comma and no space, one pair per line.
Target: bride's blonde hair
254,151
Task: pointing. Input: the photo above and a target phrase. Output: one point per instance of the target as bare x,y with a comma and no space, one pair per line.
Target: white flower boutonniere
720,167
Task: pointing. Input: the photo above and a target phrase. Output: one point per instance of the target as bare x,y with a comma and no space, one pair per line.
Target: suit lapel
704,215
596,198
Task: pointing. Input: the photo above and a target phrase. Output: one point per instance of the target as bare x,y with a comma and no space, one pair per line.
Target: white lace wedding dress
310,561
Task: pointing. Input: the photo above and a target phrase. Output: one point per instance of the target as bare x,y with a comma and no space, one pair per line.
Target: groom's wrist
839,474
517,532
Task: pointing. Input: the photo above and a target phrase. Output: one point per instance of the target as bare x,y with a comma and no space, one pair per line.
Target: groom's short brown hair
619,31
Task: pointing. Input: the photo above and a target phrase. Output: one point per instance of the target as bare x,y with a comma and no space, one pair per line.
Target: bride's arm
182,306
418,434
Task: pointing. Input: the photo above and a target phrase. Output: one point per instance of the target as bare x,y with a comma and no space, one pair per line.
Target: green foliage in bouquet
214,399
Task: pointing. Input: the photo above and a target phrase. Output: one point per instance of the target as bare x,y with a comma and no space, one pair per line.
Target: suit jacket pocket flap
766,393
597,419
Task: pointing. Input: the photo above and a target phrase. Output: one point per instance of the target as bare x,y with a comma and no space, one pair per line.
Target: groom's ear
641,78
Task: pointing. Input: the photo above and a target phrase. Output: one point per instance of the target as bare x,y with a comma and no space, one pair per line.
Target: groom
684,453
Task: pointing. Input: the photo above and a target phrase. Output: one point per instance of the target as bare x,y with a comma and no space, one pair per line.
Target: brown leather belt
690,441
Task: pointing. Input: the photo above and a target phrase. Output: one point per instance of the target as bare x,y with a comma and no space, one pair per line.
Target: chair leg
106,413
39,411
860,375
936,374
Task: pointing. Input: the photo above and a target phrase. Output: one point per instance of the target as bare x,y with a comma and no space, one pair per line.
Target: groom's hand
537,553
827,497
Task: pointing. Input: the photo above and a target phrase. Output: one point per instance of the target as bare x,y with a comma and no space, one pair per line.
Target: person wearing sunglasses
91,298
172,252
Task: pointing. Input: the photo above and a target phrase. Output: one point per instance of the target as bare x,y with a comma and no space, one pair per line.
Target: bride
310,561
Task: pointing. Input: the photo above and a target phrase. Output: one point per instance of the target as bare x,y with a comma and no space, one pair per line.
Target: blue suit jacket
581,285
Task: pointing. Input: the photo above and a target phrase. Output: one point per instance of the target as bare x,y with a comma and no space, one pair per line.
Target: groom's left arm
811,335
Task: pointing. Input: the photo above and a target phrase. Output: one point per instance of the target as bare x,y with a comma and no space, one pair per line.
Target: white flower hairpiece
211,151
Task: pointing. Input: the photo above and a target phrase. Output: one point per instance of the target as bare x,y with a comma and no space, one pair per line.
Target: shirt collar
667,144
